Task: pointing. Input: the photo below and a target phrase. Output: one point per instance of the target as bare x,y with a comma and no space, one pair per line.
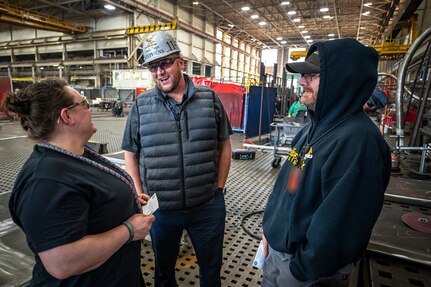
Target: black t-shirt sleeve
52,213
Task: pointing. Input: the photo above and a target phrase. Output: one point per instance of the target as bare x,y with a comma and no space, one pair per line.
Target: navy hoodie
329,192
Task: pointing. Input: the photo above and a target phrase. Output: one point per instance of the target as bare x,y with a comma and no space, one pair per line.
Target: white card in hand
151,206
259,260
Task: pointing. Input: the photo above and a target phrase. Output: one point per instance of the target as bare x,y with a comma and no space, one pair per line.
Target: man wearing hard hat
177,147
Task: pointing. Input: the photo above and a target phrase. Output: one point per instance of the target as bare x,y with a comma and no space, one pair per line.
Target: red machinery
5,87
231,95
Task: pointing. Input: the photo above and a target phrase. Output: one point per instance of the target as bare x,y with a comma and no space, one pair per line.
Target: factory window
269,57
51,56
207,71
83,54
217,72
5,59
186,66
196,68
23,58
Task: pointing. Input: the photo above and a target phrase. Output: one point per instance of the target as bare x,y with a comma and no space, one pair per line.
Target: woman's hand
91,251
141,225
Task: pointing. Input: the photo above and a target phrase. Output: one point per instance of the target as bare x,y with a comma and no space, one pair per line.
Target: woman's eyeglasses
162,64
309,77
82,102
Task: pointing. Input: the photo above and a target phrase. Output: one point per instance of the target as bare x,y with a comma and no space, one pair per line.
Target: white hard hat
158,45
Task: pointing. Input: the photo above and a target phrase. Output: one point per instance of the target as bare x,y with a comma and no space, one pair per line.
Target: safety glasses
82,102
309,77
162,64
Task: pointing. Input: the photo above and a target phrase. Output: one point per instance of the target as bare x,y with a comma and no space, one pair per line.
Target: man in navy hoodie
330,190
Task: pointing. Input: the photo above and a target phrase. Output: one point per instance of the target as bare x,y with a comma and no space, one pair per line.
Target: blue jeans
205,228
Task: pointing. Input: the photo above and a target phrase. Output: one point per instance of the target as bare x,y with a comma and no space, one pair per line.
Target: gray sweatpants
276,272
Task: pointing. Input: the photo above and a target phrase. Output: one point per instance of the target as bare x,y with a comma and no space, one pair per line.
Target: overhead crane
14,15
388,49
385,50
151,28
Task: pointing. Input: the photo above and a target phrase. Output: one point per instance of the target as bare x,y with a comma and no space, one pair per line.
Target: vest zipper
182,167
186,120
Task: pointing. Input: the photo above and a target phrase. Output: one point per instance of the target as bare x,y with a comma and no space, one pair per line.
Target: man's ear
181,62
65,117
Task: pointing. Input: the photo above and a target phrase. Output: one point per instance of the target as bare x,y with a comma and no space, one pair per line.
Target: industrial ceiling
259,23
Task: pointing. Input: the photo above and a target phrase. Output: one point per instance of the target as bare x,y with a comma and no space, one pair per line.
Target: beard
310,100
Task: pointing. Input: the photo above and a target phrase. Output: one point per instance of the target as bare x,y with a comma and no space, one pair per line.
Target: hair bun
18,103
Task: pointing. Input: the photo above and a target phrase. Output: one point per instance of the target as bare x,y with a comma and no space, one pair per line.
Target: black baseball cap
311,65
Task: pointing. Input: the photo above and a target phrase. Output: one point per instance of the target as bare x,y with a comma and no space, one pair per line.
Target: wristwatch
222,190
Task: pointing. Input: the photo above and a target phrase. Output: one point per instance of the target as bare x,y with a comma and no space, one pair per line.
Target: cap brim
303,68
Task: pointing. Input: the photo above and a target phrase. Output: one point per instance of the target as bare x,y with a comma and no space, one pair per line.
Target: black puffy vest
179,160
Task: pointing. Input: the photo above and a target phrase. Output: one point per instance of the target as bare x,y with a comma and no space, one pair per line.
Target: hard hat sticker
172,45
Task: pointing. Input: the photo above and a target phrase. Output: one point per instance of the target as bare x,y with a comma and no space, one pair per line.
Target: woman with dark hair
80,212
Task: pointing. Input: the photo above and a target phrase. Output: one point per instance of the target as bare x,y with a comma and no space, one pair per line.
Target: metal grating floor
249,185
387,272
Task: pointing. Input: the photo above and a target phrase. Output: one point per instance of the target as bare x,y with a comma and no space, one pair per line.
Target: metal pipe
267,147
422,163
396,252
407,200
423,102
261,99
401,82
416,148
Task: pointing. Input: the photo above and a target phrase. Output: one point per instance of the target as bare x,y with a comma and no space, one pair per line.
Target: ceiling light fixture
301,27
304,32
279,38
283,3
291,12
283,42
297,20
368,4
254,16
109,7
231,25
262,23
195,3
366,13
331,35
324,9
309,40
307,37
245,8
327,17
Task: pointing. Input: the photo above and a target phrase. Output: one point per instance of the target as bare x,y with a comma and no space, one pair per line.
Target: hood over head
348,76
